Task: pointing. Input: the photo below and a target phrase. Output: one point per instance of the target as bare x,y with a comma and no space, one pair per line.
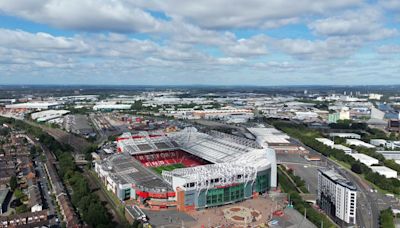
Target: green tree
386,219
356,167
13,183
21,209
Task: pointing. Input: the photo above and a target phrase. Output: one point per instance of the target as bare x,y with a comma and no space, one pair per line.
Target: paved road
44,182
367,210
44,187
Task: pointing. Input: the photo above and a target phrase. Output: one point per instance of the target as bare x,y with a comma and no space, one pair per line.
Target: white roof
357,142
382,169
269,135
112,106
364,157
324,140
345,135
341,147
49,114
33,105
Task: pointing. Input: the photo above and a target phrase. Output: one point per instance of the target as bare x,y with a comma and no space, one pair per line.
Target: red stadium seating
168,158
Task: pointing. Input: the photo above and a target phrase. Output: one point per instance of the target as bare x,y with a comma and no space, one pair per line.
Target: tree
13,183
21,209
356,167
386,218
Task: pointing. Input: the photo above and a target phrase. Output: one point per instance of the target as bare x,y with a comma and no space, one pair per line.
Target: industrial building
345,135
390,154
35,106
378,142
47,115
218,169
231,114
356,142
346,149
365,159
326,142
337,196
272,138
110,107
269,136
384,171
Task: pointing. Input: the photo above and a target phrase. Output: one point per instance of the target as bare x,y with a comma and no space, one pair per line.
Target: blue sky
175,42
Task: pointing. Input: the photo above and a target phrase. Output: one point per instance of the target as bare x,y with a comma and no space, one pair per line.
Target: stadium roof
126,170
211,148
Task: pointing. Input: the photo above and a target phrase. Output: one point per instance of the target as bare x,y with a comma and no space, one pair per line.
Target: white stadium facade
214,169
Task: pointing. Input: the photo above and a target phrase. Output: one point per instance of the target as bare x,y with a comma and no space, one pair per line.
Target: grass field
159,169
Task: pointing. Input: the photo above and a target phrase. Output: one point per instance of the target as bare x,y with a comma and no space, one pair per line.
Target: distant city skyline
171,42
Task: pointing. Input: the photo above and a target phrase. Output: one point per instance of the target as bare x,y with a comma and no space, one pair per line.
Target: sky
178,42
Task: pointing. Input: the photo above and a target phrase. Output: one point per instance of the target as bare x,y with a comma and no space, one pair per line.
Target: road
367,210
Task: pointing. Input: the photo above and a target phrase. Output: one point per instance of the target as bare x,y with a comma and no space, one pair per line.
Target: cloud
389,49
40,42
248,14
87,15
134,16
254,46
366,22
392,5
334,47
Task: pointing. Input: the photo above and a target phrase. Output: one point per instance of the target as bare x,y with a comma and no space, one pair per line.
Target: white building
305,115
337,196
390,154
378,142
326,142
356,142
269,136
344,148
48,115
106,106
344,114
35,105
365,159
375,96
384,171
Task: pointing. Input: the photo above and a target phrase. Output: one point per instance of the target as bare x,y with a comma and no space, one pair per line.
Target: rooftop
125,169
337,178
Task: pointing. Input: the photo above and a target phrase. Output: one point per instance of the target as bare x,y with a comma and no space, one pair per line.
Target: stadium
187,169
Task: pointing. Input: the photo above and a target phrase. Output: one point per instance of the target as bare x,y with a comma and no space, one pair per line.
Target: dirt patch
255,214
237,218
235,209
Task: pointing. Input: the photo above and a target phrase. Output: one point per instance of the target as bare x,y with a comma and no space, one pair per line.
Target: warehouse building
47,115
35,106
326,142
365,159
110,107
384,171
337,197
356,142
345,135
344,148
